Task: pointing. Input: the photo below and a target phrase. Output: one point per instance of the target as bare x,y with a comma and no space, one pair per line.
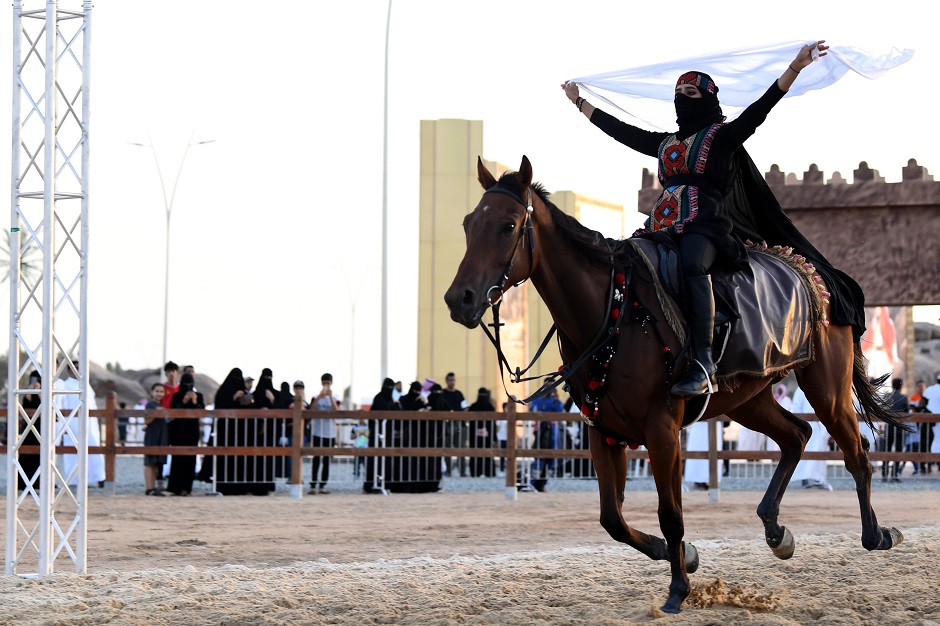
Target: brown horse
515,233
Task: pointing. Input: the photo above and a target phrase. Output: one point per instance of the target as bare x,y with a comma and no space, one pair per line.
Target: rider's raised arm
739,129
755,114
643,141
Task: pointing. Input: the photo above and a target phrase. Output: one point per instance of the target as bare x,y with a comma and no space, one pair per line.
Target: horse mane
593,245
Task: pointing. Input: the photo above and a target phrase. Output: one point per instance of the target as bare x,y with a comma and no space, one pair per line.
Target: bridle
525,230
555,379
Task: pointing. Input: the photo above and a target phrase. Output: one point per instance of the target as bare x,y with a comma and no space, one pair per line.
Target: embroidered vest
682,175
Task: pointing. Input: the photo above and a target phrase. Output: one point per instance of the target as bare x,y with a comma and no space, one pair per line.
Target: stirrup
709,385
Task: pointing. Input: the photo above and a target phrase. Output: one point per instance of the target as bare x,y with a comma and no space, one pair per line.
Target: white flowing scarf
742,77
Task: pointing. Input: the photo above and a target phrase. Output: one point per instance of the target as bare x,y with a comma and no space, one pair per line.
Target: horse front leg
666,462
610,464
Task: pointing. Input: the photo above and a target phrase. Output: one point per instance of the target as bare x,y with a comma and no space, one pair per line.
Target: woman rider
713,197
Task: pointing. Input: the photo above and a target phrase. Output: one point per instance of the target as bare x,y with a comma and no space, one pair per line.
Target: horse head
500,241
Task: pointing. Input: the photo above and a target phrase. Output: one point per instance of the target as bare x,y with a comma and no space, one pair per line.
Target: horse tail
873,405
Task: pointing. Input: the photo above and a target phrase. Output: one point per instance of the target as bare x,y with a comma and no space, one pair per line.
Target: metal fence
251,451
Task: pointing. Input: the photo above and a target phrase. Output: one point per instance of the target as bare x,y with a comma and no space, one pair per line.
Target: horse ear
525,172
483,175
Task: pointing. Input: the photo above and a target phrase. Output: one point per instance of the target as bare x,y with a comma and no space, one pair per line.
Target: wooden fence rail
299,416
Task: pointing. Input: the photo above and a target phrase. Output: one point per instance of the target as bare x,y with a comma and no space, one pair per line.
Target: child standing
156,434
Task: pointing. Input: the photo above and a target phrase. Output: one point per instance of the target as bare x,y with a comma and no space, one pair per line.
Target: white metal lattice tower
46,521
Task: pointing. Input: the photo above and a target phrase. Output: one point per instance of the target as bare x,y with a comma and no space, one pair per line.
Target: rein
555,379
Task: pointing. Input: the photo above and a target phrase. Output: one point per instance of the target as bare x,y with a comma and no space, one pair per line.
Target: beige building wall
449,150
450,190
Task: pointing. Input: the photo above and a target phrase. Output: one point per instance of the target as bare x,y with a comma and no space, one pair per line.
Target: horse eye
509,227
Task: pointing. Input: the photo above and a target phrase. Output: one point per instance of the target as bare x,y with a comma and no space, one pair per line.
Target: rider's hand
571,90
805,56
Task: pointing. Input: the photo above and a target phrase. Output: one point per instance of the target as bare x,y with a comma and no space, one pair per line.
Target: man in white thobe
811,474
66,404
932,393
696,470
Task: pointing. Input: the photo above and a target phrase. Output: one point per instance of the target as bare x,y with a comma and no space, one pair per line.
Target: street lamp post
353,301
384,339
168,207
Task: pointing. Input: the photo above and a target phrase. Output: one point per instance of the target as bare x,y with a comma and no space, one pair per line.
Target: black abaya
419,474
231,471
382,401
183,432
482,435
265,433
29,462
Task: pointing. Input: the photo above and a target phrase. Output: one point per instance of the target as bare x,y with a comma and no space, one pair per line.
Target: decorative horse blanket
764,318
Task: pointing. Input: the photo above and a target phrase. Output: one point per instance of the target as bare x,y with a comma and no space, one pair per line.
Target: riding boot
701,309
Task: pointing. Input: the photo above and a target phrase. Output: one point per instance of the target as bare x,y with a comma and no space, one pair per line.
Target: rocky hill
133,385
926,352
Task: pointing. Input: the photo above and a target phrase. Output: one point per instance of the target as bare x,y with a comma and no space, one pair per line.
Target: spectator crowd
237,474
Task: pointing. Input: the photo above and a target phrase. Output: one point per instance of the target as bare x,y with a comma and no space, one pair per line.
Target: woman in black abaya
263,430
420,474
283,429
184,432
231,474
482,434
383,401
30,462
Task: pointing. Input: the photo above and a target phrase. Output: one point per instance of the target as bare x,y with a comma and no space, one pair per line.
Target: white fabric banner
742,76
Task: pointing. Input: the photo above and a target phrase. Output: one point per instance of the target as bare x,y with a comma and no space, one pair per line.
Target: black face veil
694,114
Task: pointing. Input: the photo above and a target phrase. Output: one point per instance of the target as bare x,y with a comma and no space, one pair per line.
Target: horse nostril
469,297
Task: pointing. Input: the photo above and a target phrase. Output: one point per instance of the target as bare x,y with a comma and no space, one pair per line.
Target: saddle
764,318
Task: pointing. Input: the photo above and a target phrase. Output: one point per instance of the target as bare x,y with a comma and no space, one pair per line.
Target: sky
275,232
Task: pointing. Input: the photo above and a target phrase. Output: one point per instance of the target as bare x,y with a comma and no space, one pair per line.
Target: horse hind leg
828,387
762,414
843,427
610,464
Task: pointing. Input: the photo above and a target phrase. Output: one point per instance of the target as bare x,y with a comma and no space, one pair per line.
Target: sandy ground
474,558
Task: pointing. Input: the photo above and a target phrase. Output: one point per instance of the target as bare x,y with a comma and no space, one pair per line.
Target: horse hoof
894,535
672,606
787,546
691,558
